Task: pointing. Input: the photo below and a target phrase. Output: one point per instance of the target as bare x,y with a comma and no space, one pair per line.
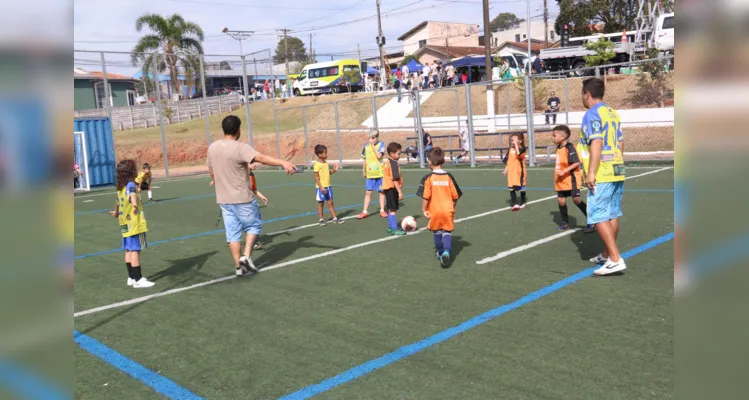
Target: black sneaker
321,223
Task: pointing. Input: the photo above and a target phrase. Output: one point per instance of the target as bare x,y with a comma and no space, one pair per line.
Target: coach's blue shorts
605,203
238,218
323,197
135,242
374,184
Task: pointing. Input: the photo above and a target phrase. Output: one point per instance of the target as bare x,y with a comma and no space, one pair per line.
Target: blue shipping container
100,150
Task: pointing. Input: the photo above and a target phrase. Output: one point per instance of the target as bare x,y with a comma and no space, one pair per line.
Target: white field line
162,181
308,258
88,201
527,246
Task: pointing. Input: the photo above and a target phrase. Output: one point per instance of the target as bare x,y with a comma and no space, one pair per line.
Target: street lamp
239,36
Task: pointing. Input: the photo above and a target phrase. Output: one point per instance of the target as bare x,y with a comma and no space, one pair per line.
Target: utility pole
488,65
380,44
286,47
358,53
546,23
447,45
310,47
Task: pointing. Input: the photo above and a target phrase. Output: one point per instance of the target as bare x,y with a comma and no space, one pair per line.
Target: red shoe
383,214
515,207
363,215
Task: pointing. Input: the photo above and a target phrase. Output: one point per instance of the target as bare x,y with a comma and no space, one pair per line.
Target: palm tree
178,40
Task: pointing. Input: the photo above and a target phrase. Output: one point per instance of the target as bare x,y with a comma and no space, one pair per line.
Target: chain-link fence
160,105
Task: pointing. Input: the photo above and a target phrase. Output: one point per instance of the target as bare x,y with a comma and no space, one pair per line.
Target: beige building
520,33
439,34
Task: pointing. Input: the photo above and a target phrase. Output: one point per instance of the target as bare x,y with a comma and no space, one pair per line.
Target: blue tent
371,70
469,61
414,66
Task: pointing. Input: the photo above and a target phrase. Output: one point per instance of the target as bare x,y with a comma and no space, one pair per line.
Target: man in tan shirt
228,161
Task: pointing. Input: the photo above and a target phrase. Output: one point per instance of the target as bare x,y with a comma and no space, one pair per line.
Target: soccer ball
408,224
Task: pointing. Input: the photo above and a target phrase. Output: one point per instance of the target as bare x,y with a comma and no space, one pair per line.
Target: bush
653,83
540,92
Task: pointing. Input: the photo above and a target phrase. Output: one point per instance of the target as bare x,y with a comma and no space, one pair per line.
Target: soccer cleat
257,246
599,259
246,263
321,222
383,214
130,281
397,232
240,271
515,207
522,206
151,200
143,283
563,227
589,228
611,267
445,259
337,221
363,215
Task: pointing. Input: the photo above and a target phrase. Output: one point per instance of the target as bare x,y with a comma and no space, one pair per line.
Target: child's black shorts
144,186
569,193
391,199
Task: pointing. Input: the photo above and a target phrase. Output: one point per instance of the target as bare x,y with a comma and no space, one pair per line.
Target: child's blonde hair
374,133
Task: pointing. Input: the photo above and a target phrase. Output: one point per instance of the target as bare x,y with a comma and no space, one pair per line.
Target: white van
664,33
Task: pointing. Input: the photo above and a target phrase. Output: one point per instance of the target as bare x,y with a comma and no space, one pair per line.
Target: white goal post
81,181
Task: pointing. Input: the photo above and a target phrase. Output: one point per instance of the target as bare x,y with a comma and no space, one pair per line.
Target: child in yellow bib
372,156
129,212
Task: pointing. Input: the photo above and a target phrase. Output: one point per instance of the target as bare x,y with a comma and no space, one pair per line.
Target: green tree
653,82
179,40
224,65
604,52
145,85
582,15
408,59
505,21
296,50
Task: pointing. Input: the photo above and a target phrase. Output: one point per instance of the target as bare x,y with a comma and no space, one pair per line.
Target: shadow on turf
183,265
458,245
180,266
280,251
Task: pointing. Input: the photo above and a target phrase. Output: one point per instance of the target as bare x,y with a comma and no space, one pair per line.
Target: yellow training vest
131,223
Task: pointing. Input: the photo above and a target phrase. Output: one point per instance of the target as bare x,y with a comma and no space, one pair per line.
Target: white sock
150,194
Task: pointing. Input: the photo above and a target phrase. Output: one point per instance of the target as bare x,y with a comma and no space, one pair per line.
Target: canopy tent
469,61
413,65
372,70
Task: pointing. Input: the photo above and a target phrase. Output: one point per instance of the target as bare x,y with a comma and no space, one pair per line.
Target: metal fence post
469,118
108,93
509,107
246,93
161,114
419,130
566,101
374,113
278,133
204,100
338,136
306,136
457,108
529,118
598,73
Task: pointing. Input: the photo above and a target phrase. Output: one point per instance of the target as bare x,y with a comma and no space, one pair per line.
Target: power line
251,6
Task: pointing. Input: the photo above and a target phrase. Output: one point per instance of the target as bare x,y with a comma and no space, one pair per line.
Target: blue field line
27,385
208,233
160,384
411,349
200,196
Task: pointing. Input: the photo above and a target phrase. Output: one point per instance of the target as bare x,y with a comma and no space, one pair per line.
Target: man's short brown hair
436,156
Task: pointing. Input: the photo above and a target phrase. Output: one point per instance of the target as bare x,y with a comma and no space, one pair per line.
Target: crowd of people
595,163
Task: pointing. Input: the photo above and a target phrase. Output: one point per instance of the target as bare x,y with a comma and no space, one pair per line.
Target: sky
110,25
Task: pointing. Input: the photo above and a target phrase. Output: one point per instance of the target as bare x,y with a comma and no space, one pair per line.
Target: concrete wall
537,32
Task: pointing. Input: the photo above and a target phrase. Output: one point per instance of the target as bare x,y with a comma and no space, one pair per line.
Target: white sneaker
246,263
522,206
240,271
599,259
130,281
611,267
143,283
